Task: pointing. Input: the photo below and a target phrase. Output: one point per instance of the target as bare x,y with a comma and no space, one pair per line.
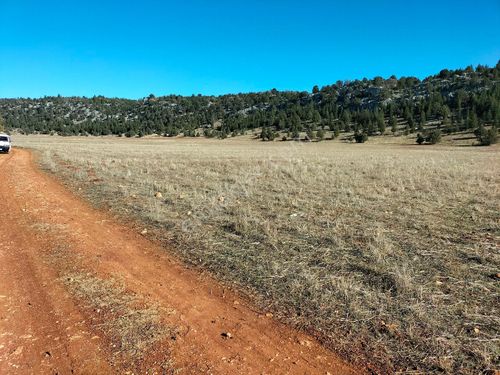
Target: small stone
158,195
305,343
226,335
144,231
18,350
221,199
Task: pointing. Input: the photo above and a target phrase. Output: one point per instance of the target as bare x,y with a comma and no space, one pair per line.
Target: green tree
264,134
472,121
394,124
380,122
486,137
310,134
320,134
434,137
336,131
316,117
411,124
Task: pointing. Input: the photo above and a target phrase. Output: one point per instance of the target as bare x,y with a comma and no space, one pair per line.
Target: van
5,143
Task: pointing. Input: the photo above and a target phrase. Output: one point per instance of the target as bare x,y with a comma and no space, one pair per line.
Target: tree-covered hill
453,100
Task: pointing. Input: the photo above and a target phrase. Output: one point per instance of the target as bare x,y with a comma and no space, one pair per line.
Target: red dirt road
52,243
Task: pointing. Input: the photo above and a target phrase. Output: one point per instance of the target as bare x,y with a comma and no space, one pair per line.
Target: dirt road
81,293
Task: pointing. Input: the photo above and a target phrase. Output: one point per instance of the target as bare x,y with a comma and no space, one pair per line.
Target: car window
4,139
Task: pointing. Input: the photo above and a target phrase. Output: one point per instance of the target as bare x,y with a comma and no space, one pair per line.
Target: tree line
450,101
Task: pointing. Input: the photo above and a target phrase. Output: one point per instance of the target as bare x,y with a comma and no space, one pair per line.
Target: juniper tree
394,124
420,139
320,134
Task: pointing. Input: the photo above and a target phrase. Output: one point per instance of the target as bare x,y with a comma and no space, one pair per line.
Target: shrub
434,137
360,137
310,135
486,137
336,132
420,139
268,134
320,134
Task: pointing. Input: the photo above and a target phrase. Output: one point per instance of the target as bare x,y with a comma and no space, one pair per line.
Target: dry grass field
388,253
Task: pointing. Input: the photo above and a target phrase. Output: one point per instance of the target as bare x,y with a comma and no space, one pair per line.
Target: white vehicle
5,143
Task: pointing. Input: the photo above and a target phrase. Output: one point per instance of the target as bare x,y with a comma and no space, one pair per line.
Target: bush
486,137
336,132
360,137
320,134
434,137
268,134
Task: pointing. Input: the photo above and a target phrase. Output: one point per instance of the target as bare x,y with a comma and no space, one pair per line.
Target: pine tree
380,122
394,124
411,124
316,117
310,134
472,121
320,134
336,131
422,121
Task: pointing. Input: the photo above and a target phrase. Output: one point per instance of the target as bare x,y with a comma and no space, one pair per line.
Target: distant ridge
454,99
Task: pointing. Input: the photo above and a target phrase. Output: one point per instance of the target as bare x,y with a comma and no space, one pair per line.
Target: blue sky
134,48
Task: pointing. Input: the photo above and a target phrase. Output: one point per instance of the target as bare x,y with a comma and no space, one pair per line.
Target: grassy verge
390,254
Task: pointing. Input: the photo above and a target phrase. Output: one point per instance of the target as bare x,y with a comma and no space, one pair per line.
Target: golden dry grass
389,253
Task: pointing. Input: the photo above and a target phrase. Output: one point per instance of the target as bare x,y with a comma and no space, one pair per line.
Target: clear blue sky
134,48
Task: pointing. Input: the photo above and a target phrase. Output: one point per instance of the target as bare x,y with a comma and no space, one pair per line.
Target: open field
388,253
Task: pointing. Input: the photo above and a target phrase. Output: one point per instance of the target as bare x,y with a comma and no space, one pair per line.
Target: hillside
453,100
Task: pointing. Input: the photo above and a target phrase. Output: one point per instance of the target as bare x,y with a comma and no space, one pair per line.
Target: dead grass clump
132,328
